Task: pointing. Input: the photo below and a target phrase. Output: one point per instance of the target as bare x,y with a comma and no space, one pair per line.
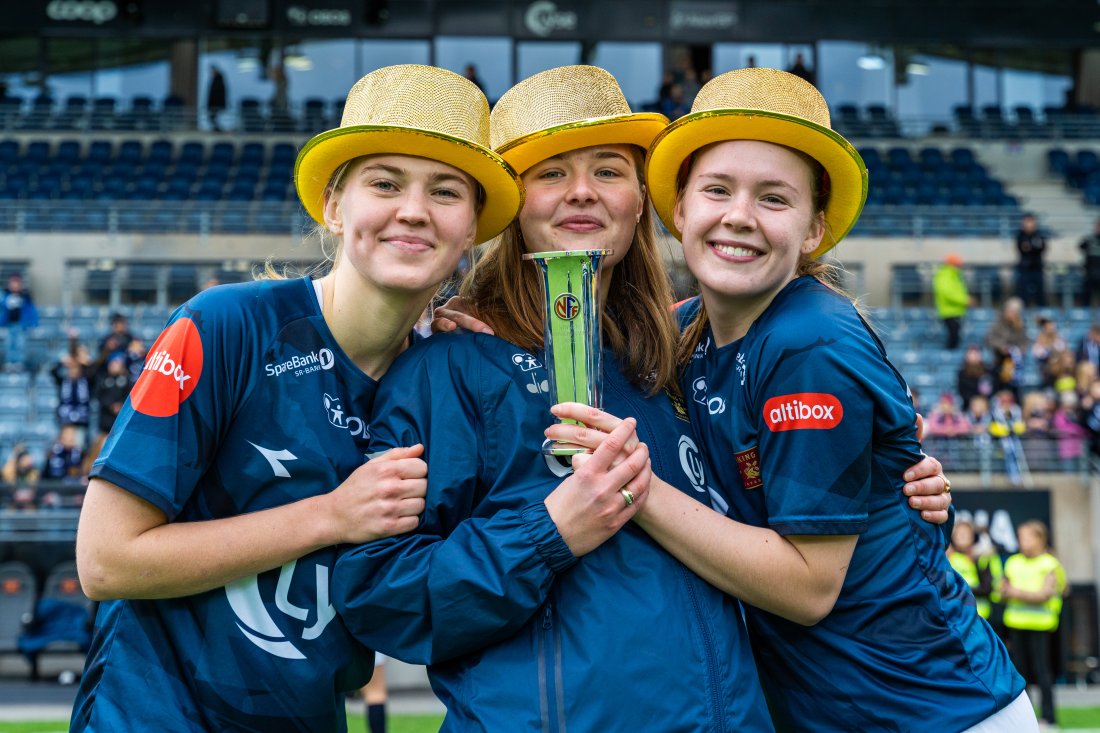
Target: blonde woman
235,466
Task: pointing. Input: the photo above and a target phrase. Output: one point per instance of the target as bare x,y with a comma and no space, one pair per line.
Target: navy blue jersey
245,403
808,427
520,635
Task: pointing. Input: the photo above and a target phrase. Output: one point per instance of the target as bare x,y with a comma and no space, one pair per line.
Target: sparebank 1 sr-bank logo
256,622
172,370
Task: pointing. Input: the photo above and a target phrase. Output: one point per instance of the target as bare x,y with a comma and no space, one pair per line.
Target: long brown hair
506,293
827,273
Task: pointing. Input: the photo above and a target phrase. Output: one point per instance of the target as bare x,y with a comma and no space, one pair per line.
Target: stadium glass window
535,56
491,57
637,66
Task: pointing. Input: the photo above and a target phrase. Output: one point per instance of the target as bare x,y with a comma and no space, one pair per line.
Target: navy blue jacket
519,634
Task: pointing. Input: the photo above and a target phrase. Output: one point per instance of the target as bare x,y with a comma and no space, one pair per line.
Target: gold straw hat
564,109
772,106
414,110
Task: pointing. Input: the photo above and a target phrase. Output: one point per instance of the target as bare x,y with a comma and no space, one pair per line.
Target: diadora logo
311,362
171,371
255,620
528,363
335,411
566,306
803,411
715,405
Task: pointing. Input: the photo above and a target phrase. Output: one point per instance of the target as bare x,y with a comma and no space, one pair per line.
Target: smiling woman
210,523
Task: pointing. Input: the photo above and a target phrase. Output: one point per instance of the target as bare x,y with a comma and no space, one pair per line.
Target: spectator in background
74,395
1070,434
1038,411
1031,244
1090,410
117,339
952,297
675,105
1006,426
111,389
1090,250
216,97
982,571
1007,337
946,420
470,72
17,315
799,68
1059,372
975,376
20,468
135,357
1047,342
1034,584
977,412
65,457
1089,348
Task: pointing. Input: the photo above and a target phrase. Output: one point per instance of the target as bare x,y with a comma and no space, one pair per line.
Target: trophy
572,336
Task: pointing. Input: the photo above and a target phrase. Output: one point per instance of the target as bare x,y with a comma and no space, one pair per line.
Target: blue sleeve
477,568
815,420
168,431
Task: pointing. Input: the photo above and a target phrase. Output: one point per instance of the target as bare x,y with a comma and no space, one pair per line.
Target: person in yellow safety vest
983,572
1034,584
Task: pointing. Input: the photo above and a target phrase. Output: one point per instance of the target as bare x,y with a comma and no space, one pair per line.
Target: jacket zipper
718,713
551,696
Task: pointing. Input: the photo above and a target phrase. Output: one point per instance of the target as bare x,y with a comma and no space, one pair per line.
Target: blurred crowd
989,399
92,384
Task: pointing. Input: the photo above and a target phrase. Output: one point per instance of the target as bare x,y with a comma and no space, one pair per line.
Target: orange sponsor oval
803,411
171,372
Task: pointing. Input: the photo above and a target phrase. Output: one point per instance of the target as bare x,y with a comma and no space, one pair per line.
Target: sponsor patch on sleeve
803,411
748,465
172,369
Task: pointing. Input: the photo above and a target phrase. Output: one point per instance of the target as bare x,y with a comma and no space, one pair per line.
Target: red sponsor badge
172,369
748,465
803,411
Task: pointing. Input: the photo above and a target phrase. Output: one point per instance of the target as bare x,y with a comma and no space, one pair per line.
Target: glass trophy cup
572,336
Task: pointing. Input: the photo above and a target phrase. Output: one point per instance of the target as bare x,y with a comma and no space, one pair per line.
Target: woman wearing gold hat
236,465
857,620
533,608
533,604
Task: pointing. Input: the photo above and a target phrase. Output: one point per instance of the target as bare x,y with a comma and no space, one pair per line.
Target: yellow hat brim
326,152
847,172
633,129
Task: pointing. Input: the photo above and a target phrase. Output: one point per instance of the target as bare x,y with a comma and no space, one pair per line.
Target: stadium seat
17,594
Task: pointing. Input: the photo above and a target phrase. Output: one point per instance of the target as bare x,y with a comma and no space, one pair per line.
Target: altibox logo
803,411
171,371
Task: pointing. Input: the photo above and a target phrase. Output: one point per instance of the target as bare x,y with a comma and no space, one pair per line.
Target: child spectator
1038,412
1071,435
977,412
946,420
1006,426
